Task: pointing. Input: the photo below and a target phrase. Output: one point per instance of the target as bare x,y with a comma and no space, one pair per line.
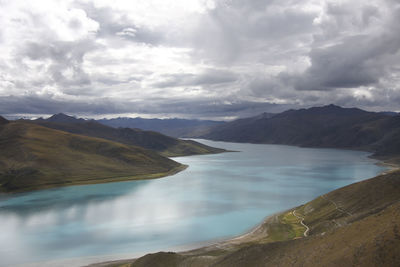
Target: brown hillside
35,157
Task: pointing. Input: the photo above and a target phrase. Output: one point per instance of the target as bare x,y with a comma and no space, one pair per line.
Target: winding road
302,223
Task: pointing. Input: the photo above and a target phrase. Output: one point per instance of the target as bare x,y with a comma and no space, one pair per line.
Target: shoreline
256,233
205,246
392,165
252,235
105,180
248,236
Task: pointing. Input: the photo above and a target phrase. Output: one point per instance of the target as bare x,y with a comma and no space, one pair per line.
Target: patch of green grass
294,222
287,227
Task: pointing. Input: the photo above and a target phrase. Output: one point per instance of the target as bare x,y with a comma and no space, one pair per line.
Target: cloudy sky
197,58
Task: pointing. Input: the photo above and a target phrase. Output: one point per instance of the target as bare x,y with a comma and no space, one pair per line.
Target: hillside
328,126
36,157
165,145
356,225
3,120
170,127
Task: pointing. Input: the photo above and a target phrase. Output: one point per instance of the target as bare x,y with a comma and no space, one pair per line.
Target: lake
218,196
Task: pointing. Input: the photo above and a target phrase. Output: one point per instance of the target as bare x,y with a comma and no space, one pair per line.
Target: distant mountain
389,113
62,118
327,126
170,127
165,145
36,157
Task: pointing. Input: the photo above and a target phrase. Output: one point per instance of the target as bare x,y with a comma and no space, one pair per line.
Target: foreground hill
36,157
165,145
357,225
328,126
170,127
3,120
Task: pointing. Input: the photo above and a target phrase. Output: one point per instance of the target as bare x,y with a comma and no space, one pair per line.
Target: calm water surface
218,196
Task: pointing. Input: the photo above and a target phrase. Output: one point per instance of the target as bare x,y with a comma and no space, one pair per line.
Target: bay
218,196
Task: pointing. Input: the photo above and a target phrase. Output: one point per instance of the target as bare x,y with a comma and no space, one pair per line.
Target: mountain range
170,127
64,150
328,126
165,145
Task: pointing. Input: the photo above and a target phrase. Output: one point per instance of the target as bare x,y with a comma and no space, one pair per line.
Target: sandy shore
254,234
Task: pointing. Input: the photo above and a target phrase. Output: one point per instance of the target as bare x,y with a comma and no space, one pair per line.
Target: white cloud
198,53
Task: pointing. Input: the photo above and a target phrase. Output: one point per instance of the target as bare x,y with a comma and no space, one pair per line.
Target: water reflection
217,196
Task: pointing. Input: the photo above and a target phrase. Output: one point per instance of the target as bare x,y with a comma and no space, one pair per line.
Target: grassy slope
165,145
3,120
357,225
35,157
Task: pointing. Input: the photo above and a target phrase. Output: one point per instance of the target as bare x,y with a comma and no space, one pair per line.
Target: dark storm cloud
200,108
47,104
357,60
209,108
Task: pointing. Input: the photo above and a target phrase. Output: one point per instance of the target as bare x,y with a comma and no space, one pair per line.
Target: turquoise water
218,196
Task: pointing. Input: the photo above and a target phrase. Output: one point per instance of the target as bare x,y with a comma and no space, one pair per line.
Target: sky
207,59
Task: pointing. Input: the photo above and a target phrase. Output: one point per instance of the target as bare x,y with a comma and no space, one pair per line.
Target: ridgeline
165,145
35,157
326,127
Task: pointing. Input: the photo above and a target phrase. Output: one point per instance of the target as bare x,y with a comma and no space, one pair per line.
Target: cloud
354,60
202,108
206,77
243,30
357,61
64,60
204,58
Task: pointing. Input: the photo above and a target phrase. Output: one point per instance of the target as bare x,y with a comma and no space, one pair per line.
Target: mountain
165,145
63,118
356,225
35,157
170,127
328,126
389,113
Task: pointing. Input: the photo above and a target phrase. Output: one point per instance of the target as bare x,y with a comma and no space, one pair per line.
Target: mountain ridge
328,126
64,118
36,157
165,145
172,127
